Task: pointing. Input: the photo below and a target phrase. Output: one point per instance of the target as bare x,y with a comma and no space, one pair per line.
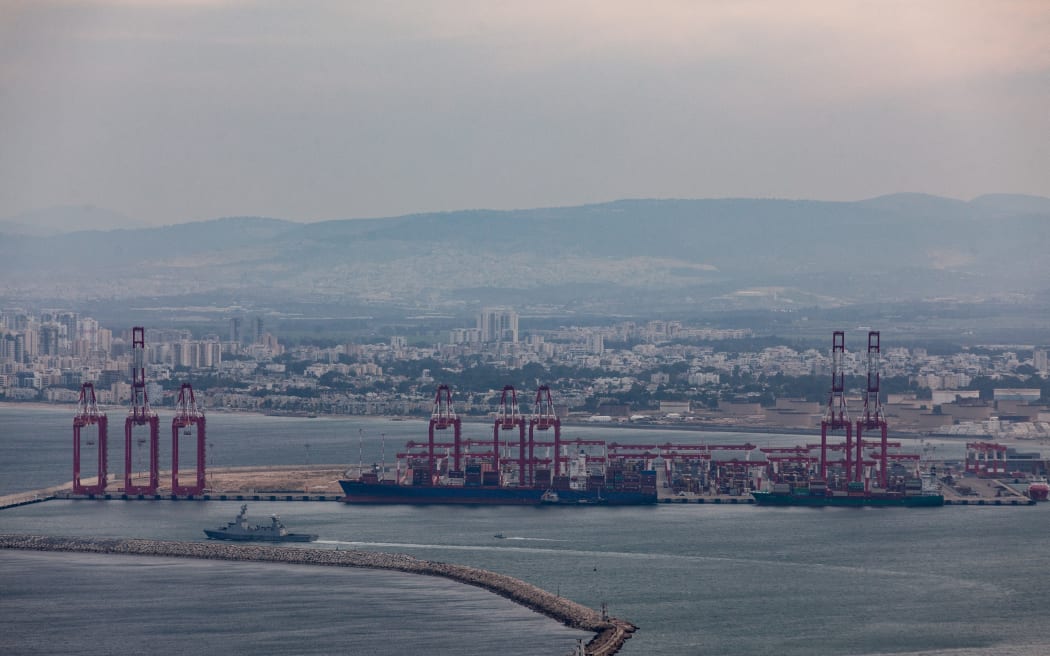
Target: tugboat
239,530
1038,489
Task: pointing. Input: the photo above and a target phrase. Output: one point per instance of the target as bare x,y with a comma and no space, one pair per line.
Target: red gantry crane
442,417
189,419
986,459
88,415
874,418
140,414
836,415
544,418
508,418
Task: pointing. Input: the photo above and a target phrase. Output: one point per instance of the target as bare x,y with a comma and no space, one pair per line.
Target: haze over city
548,327
167,112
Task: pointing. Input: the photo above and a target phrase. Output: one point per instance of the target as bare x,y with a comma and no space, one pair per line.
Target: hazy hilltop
640,254
59,220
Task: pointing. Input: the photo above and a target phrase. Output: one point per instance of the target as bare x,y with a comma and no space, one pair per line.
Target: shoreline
611,633
480,419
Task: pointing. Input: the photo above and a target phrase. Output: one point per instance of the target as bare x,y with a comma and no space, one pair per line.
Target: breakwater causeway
610,632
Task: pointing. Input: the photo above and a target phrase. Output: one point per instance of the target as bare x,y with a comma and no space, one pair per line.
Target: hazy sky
177,110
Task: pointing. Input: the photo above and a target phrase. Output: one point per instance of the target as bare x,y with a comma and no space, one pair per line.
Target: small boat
239,530
552,498
499,536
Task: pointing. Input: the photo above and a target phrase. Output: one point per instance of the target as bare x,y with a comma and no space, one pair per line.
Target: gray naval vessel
239,530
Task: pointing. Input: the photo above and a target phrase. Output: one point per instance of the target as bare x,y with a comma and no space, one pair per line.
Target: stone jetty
610,632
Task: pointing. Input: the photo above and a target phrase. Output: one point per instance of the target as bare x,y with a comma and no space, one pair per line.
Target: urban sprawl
656,372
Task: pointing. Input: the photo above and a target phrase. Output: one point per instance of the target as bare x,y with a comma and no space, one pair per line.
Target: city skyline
168,112
656,370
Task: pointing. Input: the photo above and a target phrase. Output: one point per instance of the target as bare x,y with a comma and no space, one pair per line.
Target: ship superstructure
239,530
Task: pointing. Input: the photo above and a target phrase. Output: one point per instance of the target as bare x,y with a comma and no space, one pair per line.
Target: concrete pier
973,491
611,633
321,483
33,496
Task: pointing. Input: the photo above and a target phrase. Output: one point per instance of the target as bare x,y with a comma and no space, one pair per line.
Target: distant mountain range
641,254
71,218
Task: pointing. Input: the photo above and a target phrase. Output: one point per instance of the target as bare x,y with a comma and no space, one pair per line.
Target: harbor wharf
610,633
974,491
321,483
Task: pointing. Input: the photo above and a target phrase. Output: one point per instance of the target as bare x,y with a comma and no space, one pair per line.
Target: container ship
855,495
364,491
517,466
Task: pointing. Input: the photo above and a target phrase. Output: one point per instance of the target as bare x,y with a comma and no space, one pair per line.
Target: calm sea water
696,579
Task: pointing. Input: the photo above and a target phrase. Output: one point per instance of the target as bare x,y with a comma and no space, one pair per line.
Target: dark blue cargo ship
368,489
388,493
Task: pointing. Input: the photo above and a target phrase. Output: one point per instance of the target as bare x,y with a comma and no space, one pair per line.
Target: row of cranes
187,422
428,463
530,451
853,467
532,461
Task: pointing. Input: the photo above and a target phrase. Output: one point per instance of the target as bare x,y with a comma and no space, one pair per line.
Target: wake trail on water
511,537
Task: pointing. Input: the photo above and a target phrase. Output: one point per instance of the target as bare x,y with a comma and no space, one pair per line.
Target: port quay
256,484
527,461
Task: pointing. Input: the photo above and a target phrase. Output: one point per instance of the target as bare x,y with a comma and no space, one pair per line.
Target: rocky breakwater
610,632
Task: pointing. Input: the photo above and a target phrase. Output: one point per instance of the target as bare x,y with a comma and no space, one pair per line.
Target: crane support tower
874,417
544,418
986,459
189,419
88,415
508,418
140,414
836,415
441,418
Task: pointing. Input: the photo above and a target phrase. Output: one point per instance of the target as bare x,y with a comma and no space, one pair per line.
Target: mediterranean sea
695,579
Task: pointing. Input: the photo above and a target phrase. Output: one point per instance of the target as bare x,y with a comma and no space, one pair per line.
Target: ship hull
291,537
818,501
381,493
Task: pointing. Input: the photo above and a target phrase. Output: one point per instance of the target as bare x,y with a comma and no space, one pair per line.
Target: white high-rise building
1039,360
498,325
